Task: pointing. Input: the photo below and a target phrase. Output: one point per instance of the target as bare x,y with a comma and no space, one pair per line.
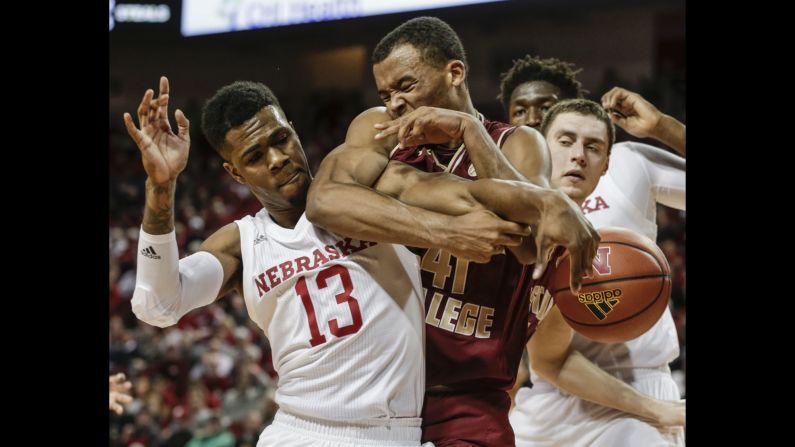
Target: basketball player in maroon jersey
478,316
580,136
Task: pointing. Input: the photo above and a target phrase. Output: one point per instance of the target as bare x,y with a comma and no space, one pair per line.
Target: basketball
627,294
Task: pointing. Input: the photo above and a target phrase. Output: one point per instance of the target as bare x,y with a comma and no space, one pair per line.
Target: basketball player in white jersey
640,176
344,317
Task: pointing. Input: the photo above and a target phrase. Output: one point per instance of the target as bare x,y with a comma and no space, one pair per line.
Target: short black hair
231,106
528,69
432,37
584,107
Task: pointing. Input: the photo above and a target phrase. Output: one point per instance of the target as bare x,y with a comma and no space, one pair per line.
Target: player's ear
457,72
232,170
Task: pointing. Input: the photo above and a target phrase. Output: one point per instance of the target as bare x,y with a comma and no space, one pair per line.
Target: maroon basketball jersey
478,318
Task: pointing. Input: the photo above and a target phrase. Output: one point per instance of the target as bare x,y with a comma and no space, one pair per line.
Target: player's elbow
146,307
547,367
546,371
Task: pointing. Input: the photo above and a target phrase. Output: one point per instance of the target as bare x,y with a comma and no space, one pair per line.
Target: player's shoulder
230,231
371,116
623,148
361,131
628,153
494,124
497,129
225,240
634,149
515,134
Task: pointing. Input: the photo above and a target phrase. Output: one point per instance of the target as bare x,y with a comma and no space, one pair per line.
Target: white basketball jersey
610,206
344,319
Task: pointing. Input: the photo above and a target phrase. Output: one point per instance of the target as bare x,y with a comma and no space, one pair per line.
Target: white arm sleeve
667,173
167,288
649,175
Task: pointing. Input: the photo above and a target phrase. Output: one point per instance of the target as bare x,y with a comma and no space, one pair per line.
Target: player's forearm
159,208
580,377
359,212
671,132
488,159
512,200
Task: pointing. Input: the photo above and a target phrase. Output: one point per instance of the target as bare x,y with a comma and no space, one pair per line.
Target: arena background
211,374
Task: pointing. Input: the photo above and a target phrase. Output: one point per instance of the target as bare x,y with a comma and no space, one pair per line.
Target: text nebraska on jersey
274,275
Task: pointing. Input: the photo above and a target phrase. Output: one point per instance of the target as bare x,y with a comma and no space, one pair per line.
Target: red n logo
601,263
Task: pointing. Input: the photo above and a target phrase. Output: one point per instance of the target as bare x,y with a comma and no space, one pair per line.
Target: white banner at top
220,16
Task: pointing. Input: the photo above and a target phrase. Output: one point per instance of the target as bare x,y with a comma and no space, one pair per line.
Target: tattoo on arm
159,210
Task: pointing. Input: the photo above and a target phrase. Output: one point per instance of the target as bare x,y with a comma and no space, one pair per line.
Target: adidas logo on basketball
599,297
600,303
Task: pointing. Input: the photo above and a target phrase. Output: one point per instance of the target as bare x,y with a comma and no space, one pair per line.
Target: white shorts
546,416
288,430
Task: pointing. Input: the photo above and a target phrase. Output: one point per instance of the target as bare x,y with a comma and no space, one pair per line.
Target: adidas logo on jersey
150,252
259,238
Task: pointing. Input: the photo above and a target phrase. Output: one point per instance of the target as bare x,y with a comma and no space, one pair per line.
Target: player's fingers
164,91
133,131
143,108
510,240
405,130
544,252
608,98
508,227
152,111
387,128
576,271
183,124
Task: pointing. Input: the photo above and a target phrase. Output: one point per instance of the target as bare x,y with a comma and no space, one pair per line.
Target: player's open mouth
575,173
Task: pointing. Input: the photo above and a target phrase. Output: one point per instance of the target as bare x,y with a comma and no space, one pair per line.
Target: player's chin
574,191
296,189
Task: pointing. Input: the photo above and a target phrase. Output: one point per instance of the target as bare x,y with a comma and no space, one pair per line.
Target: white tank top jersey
639,176
344,319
